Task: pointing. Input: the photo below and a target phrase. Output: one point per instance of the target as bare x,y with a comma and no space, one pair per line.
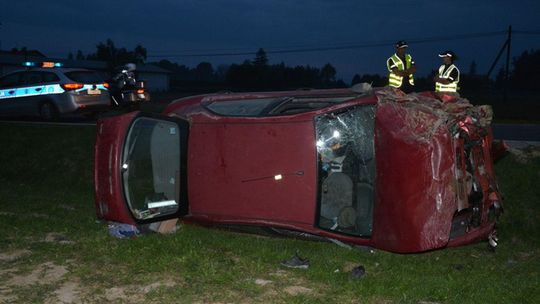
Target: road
518,132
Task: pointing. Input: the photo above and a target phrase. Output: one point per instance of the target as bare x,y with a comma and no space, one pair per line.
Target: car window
274,106
84,76
11,80
29,78
49,77
243,107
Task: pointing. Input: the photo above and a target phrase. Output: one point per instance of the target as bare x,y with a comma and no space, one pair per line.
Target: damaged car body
403,173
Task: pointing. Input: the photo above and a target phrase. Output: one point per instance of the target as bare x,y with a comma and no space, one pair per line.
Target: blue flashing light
29,64
58,64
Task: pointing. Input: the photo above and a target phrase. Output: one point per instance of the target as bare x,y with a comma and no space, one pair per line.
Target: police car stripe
41,90
31,91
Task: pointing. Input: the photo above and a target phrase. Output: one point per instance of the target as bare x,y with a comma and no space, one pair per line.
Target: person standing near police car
446,81
401,68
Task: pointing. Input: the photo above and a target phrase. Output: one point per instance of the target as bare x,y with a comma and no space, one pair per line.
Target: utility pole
507,44
506,75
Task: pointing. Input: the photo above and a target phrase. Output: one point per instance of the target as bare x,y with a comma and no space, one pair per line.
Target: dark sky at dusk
361,33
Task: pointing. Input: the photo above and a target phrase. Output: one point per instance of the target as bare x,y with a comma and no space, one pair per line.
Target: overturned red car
375,167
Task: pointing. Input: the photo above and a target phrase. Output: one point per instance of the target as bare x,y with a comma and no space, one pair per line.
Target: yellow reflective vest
452,86
393,79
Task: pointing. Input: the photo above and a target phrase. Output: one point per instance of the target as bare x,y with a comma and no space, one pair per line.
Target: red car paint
268,171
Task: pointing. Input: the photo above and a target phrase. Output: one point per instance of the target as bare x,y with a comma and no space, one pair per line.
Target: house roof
23,52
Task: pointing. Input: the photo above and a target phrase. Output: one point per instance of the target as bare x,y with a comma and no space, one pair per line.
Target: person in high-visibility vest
447,80
401,68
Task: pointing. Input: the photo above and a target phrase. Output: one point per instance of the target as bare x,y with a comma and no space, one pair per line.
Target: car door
140,168
30,91
9,93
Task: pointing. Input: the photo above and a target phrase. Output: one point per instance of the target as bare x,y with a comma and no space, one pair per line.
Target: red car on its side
403,173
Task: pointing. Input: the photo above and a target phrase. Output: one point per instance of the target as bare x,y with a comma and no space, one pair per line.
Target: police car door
9,92
29,94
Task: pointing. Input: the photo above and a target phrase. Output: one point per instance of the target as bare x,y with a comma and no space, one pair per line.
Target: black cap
448,54
401,44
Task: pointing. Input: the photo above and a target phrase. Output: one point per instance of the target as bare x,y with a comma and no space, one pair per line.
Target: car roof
54,70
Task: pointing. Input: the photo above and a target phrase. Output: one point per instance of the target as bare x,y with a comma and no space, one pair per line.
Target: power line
527,32
335,47
245,51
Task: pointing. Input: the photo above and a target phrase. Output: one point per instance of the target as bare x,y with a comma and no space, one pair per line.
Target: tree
328,73
204,71
525,74
356,79
472,68
221,71
114,56
260,58
500,79
139,53
80,55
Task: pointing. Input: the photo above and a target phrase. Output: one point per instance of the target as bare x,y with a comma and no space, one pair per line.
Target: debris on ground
358,272
123,231
296,262
164,227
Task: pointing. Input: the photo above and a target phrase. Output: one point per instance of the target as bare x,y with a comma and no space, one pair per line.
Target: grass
47,223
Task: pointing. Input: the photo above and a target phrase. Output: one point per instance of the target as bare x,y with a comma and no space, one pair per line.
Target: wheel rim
46,111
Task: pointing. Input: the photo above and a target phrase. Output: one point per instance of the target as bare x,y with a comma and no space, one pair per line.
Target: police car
51,91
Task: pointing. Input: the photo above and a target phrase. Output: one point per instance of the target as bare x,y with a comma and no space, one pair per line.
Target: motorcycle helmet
130,67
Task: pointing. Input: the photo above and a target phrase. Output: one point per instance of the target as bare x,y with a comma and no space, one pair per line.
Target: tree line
258,74
255,74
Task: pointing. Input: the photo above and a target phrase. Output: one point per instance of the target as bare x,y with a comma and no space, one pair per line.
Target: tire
48,111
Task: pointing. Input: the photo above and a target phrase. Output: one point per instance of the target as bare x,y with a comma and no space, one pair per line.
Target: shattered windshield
345,147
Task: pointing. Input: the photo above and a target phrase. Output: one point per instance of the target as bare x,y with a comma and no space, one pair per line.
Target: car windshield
261,107
346,164
84,76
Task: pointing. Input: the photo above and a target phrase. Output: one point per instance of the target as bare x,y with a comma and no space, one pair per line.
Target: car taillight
106,84
140,91
72,86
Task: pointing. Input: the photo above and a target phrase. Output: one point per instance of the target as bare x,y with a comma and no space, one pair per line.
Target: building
157,79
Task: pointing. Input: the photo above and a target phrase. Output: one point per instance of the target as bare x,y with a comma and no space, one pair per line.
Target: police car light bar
44,64
50,64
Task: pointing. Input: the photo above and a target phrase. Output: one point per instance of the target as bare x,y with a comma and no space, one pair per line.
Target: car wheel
48,111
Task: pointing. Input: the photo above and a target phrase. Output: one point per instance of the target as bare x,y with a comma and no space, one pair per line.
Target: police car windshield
84,76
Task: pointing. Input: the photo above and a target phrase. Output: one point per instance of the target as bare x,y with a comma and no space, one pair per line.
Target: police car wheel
48,111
